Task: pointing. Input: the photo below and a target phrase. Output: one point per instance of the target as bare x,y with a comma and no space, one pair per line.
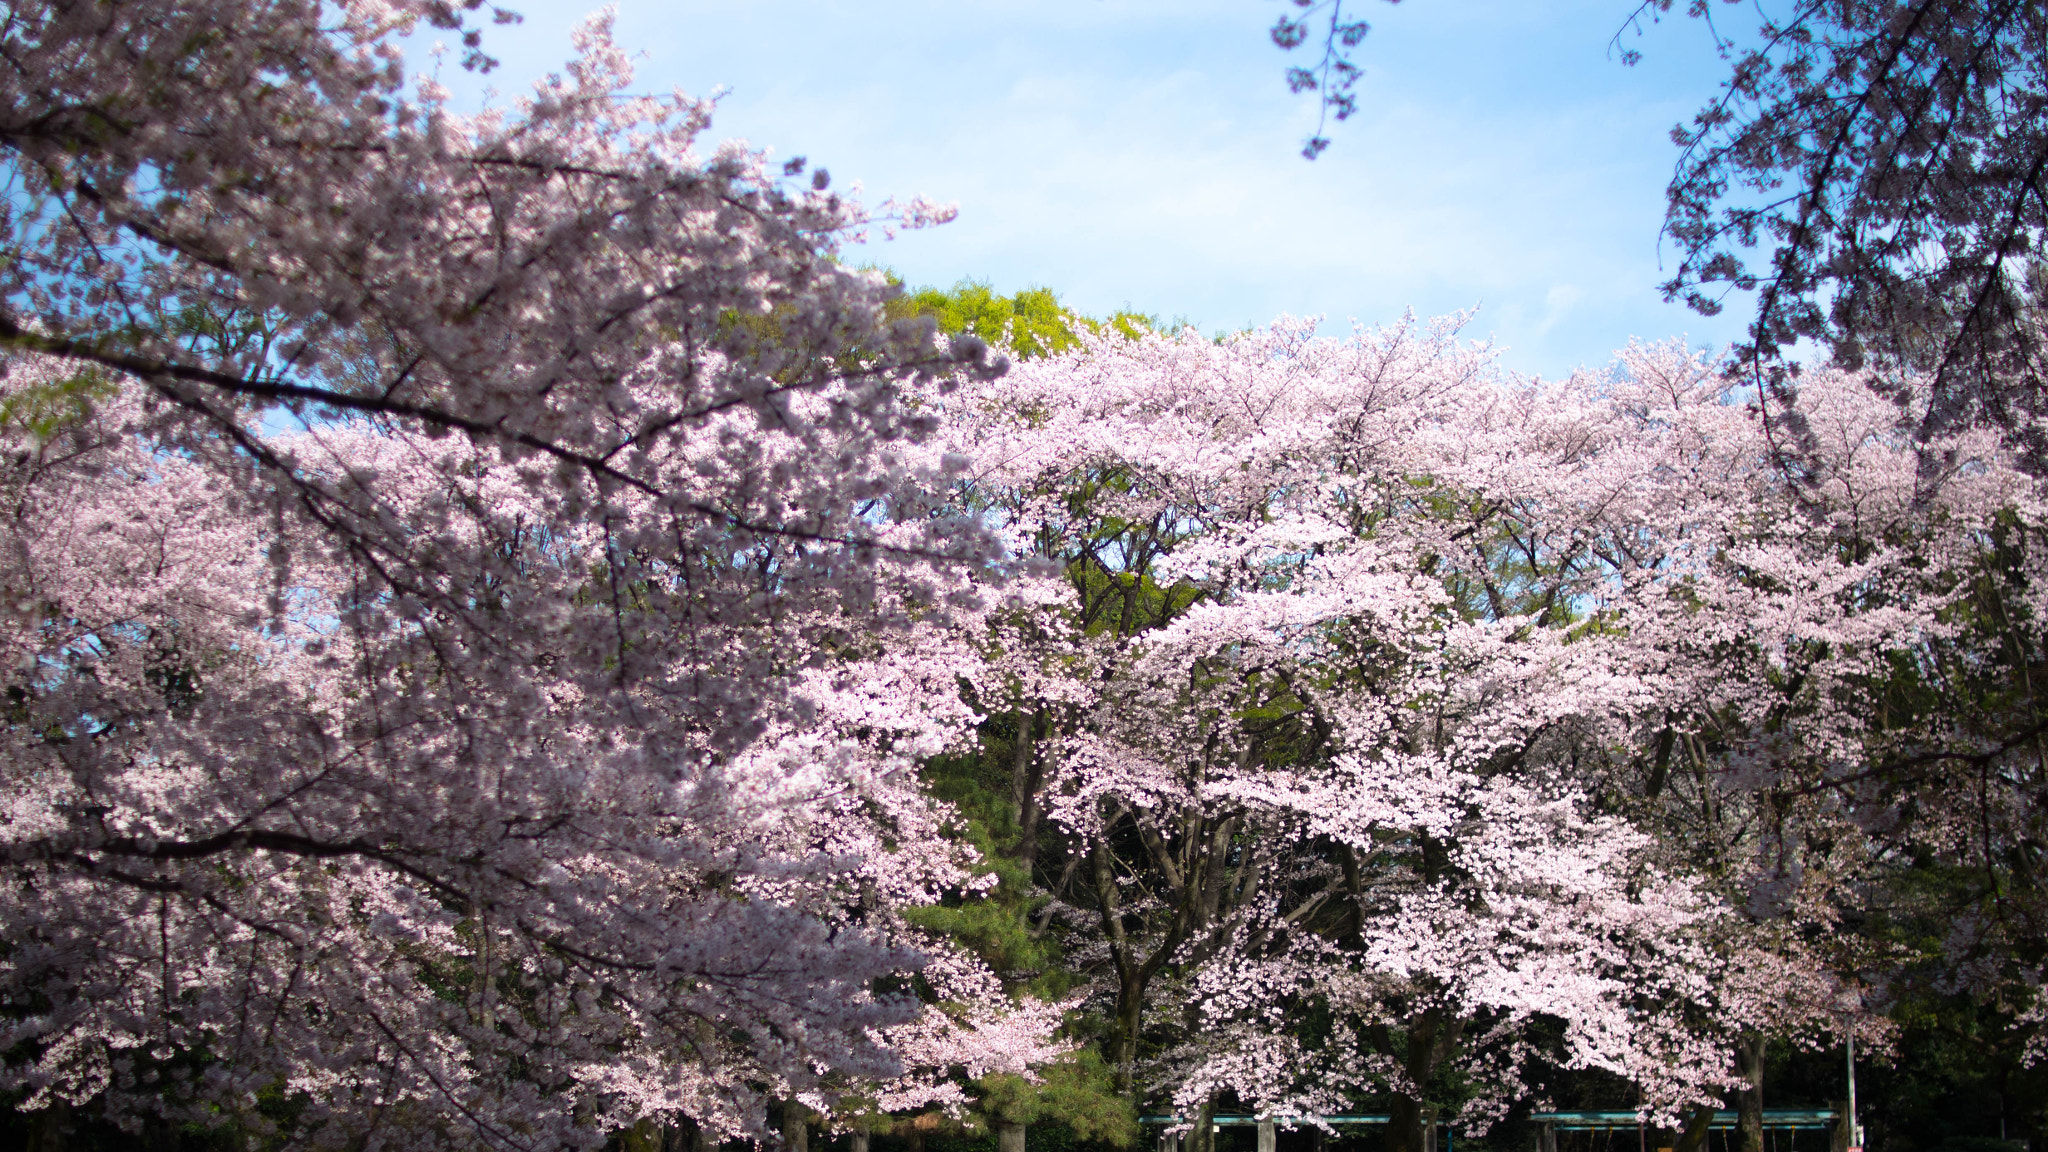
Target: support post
1855,1129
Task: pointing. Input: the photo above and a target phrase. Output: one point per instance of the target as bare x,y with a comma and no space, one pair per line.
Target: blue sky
1145,153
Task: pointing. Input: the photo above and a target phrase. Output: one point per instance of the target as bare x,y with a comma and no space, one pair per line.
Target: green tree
1029,323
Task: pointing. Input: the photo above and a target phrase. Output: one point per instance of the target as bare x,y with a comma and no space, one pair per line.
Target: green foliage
1029,323
1076,1092
996,924
1125,603
44,410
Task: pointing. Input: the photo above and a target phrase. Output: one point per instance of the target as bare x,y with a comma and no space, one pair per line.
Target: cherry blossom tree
1871,172
1845,699
480,591
1249,707
1357,711
464,594
1890,154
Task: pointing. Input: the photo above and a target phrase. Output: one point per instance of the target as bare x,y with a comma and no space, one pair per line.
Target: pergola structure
1782,1119
1791,1119
1602,1121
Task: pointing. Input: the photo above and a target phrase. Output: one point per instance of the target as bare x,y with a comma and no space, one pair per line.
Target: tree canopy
508,640
1872,173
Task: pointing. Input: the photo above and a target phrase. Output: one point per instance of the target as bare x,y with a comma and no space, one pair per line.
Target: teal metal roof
1773,1118
1565,1121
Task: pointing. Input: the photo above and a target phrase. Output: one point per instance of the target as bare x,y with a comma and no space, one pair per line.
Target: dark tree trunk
1698,1123
686,1135
1130,971
1432,1037
1404,1125
796,1127
1009,1136
1203,1138
646,1135
1027,775
1749,1105
51,1131
1130,1007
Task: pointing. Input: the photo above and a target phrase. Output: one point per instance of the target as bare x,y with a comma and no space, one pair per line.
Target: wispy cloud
1143,152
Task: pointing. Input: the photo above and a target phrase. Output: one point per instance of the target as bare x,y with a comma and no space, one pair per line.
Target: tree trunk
858,1139
1266,1135
1027,775
51,1128
1431,1039
1009,1136
1130,1007
1203,1138
1698,1123
1404,1125
646,1135
796,1127
686,1135
1130,995
1749,1107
